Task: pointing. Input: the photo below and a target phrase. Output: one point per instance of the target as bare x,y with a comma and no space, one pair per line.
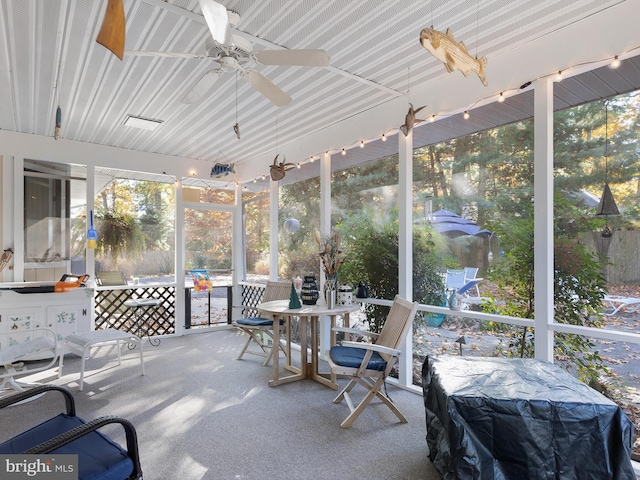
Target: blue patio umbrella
453,225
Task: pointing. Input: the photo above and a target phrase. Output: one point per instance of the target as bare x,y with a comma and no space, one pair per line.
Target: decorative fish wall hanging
454,55
410,119
222,169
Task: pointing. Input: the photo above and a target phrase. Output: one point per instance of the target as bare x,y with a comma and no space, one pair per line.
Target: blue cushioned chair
369,364
254,327
99,457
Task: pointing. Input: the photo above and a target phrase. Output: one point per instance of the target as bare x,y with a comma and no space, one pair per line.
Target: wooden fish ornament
410,119
278,170
454,55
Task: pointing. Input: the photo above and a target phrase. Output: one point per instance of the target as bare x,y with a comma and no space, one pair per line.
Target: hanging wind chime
92,235
607,205
56,132
236,127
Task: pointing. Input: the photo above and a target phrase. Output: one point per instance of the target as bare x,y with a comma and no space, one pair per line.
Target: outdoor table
307,314
140,306
521,418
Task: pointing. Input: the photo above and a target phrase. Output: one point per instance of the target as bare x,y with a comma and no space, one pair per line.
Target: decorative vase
309,292
454,301
330,285
345,293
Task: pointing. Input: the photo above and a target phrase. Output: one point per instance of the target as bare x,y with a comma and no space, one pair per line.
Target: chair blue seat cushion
99,457
352,357
256,322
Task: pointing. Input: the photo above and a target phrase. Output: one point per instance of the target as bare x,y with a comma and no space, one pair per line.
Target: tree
578,291
119,232
373,258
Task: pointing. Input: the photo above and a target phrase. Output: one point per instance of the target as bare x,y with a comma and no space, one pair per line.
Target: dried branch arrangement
330,252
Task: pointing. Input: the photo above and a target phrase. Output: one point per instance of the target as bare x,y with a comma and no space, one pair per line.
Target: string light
616,62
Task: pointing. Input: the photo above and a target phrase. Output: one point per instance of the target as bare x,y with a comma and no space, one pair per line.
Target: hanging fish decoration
454,55
222,169
410,119
278,170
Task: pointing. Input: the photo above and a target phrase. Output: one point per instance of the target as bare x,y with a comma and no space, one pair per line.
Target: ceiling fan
234,53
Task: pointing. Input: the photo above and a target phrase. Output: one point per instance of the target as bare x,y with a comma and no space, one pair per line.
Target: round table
307,314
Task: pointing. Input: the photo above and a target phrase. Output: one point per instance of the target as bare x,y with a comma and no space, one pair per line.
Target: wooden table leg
327,380
276,379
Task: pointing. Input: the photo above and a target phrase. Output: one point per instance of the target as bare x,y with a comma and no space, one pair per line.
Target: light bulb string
488,97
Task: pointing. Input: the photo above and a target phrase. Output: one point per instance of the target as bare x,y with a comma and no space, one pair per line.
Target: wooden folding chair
369,364
254,327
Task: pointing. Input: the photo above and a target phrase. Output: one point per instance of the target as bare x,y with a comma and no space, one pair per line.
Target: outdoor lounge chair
458,280
39,343
471,274
98,455
618,303
369,364
254,327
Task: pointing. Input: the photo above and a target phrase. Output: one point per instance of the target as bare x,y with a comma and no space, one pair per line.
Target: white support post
274,204
180,259
90,253
18,219
405,247
543,217
325,229
238,254
8,212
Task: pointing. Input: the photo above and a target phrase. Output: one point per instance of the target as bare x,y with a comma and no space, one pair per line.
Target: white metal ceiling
49,57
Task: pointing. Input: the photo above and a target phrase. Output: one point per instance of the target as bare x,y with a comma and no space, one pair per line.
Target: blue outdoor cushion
255,322
99,457
352,357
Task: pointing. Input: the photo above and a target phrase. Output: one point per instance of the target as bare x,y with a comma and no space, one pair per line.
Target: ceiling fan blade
112,31
140,53
217,20
202,87
267,88
305,58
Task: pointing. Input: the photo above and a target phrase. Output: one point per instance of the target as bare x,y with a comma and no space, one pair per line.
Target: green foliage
373,258
578,291
119,236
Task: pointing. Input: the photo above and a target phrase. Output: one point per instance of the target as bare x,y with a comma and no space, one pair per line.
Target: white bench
82,343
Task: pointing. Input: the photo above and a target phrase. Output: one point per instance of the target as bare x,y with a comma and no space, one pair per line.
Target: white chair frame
42,343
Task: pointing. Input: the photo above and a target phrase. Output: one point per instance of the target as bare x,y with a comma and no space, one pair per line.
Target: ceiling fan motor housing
240,49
